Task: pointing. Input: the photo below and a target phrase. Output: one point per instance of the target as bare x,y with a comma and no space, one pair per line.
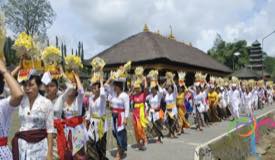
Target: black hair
55,82
199,88
119,84
36,78
170,86
156,88
97,84
182,88
2,83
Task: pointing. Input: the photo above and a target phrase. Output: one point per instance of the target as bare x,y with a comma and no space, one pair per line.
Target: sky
100,24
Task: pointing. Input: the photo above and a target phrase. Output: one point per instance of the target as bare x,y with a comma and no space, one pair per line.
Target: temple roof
246,73
149,46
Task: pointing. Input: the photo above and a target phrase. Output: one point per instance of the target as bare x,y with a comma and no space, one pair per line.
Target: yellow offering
73,63
169,78
51,55
121,73
24,45
153,76
98,65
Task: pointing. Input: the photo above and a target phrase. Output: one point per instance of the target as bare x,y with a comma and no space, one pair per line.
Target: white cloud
102,23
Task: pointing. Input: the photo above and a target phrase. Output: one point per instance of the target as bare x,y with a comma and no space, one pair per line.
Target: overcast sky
102,23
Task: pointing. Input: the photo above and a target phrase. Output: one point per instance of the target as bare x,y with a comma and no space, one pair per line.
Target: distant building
256,57
246,73
256,60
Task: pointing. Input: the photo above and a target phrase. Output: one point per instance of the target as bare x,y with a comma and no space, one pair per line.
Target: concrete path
183,147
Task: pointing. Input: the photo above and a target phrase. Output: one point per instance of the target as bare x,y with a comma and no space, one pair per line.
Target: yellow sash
170,106
143,119
101,124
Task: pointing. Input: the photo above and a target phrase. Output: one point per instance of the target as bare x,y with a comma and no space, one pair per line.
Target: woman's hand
3,68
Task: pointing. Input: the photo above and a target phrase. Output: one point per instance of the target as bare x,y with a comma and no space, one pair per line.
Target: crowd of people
71,122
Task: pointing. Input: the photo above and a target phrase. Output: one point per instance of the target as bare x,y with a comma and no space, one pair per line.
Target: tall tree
82,52
269,63
9,53
79,48
224,53
65,50
32,16
56,42
218,41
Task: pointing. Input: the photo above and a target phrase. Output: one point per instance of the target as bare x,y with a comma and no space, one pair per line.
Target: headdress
199,78
169,78
181,76
153,76
122,72
52,57
138,77
98,65
73,64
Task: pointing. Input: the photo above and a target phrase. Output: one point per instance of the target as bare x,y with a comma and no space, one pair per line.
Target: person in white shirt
7,106
57,98
235,101
120,106
199,108
222,102
248,100
170,97
34,139
156,114
97,123
269,95
255,98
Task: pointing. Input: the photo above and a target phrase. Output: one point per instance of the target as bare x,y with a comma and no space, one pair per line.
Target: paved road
183,147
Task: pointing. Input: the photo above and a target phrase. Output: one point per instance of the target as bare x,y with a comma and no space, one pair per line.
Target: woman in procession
7,106
213,100
75,131
120,107
34,139
198,106
137,101
58,98
170,97
153,100
97,122
181,109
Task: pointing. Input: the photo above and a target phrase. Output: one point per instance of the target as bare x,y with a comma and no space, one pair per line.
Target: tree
9,53
32,16
224,52
269,63
218,41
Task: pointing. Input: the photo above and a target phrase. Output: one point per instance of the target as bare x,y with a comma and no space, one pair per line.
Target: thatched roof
148,47
246,73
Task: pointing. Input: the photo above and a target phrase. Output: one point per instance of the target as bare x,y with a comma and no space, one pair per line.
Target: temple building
256,57
154,51
246,73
